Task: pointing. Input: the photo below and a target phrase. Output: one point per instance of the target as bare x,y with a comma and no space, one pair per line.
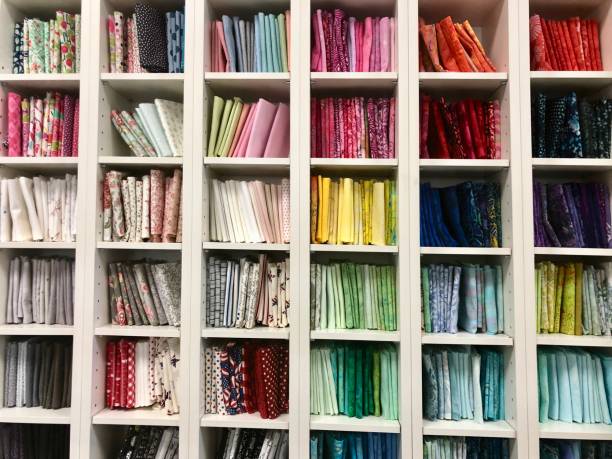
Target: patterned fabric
152,41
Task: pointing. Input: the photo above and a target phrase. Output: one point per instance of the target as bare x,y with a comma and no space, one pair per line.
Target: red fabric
454,132
568,45
110,374
464,123
123,372
584,37
576,42
551,53
446,55
539,60
428,37
475,130
452,40
130,398
490,129
595,34
443,151
559,44
425,105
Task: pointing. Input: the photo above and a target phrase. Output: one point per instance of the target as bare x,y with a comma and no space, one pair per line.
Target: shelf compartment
245,421
258,246
139,417
574,431
246,333
463,165
355,335
40,163
355,248
571,164
469,428
36,330
475,251
572,252
347,424
130,162
465,338
138,330
559,339
344,165
259,165
35,415
353,80
162,85
489,81
139,245
38,245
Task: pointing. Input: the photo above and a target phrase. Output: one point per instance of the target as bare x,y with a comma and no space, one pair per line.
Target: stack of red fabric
451,47
467,129
572,44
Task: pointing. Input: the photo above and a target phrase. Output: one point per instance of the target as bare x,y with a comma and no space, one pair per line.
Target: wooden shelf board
462,80
352,164
570,80
138,330
475,251
575,431
259,165
139,416
54,164
38,245
465,338
246,333
36,330
469,428
571,164
257,246
355,335
559,339
135,161
347,424
353,80
245,421
463,165
572,252
42,81
139,245
35,415
354,248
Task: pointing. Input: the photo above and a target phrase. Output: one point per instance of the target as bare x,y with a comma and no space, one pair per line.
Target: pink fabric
367,44
14,124
392,128
384,45
75,130
393,50
323,61
315,55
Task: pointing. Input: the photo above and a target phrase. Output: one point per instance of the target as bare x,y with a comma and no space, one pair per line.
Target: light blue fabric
228,31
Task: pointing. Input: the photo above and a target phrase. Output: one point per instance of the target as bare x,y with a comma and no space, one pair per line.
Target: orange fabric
448,29
448,61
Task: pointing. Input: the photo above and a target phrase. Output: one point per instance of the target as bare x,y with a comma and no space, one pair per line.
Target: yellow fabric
378,213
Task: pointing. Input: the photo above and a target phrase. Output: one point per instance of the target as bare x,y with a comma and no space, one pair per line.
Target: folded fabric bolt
246,377
35,440
574,385
253,130
260,45
357,445
347,44
40,290
571,44
575,449
465,448
39,127
143,373
259,443
573,298
149,209
570,126
463,215
355,127
246,293
468,296
354,379
153,129
348,295
145,293
52,46
462,382
451,47
353,211
465,129
153,442
250,211
38,209
571,215
38,372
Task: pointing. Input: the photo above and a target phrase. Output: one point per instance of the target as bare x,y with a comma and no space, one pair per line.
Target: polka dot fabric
152,40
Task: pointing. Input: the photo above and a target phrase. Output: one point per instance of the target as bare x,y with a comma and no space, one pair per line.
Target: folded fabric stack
150,442
466,129
247,377
260,45
52,46
574,299
154,129
448,47
250,211
38,209
254,443
570,127
148,41
467,296
247,293
574,385
253,130
572,44
38,372
353,211
465,448
347,44
461,382
354,379
143,372
145,293
352,295
40,127
21,441
463,215
355,127
356,445
571,215
41,291
575,449
149,209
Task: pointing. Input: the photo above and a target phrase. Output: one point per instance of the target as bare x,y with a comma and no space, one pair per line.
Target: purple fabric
559,216
545,218
576,221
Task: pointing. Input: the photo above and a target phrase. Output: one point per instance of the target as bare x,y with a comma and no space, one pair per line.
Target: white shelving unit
503,26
